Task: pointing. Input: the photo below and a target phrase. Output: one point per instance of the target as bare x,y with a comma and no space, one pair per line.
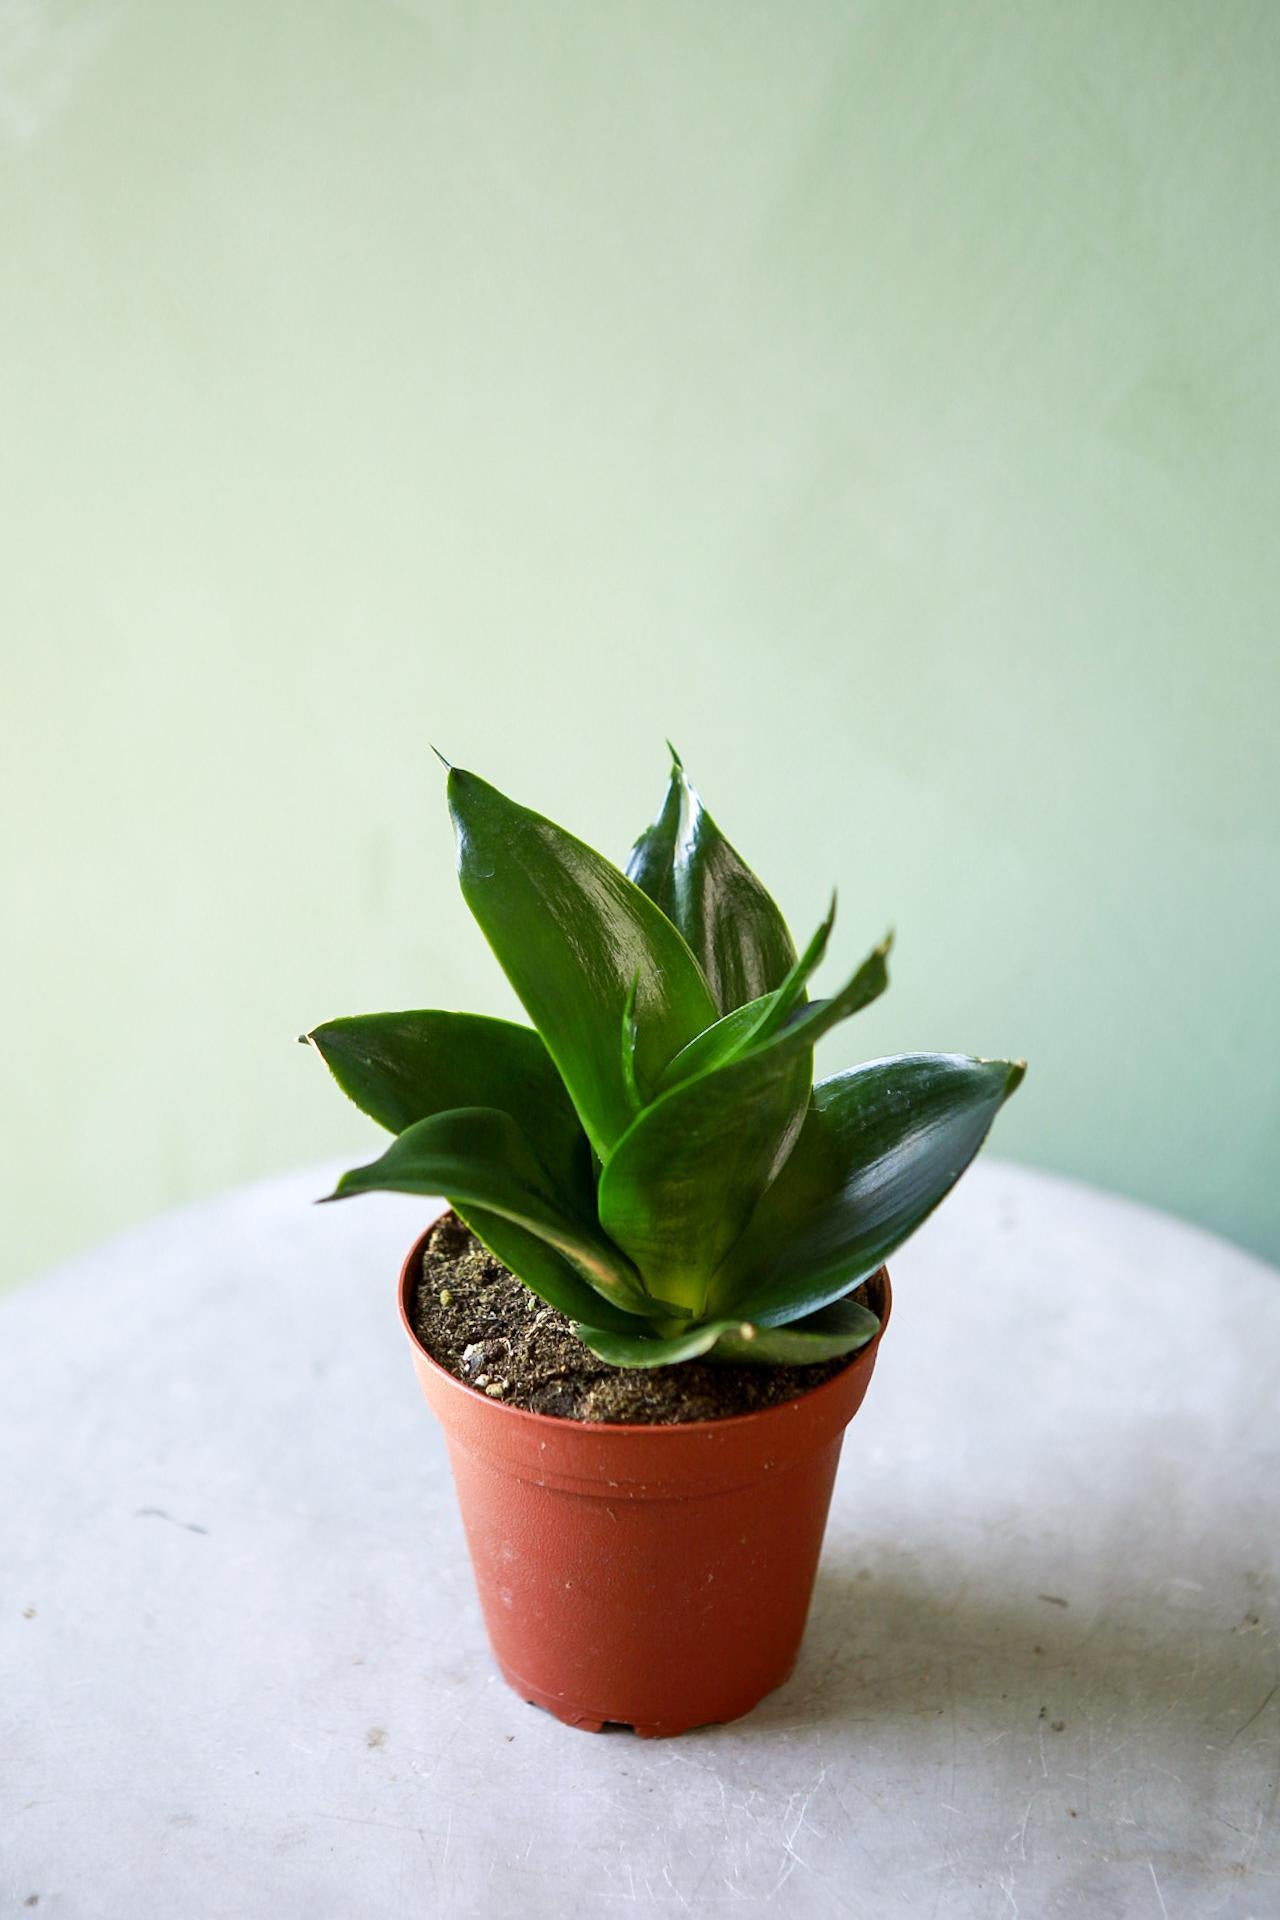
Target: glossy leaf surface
630,1042
819,1016
643,1348
735,1207
572,934
403,1067
780,1005
702,884
679,1187
880,1147
752,1026
718,1045
839,1329
543,1270
681,1184
479,1158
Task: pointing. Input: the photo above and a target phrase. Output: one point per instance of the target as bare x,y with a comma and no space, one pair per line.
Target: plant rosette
652,1159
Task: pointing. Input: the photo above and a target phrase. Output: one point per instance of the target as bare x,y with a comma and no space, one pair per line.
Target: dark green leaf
639,1349
838,1329
630,1041
479,1159
819,1016
880,1147
685,864
571,934
750,1025
791,993
653,855
679,1187
543,1270
718,1045
403,1067
683,1181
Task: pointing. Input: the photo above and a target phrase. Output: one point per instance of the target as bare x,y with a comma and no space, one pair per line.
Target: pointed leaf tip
1015,1072
881,1146
705,888
448,764
571,933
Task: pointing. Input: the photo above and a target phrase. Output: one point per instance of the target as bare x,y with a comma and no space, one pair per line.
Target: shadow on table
881,1650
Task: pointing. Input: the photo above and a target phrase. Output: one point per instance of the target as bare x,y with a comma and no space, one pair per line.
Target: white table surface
244,1673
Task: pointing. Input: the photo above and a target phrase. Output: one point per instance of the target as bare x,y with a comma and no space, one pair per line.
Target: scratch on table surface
803,1814
666,1874
1168,1772
365,1820
1265,1812
791,1857
1256,1714
951,1787
744,1806
1019,1839
1255,1836
1156,1884
699,1766
159,1513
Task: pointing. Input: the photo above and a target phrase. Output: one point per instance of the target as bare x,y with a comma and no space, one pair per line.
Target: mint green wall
883,400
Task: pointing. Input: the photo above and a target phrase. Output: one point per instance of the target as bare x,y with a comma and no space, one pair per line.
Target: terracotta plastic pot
654,1577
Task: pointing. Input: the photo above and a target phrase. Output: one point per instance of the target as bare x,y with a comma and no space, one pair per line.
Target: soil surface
486,1328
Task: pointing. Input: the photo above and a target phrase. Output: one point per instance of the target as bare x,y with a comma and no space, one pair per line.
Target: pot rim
561,1422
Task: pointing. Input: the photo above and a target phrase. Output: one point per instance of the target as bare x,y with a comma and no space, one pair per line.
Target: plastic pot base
587,1722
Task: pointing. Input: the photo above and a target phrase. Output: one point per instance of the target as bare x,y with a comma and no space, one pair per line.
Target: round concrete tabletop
245,1674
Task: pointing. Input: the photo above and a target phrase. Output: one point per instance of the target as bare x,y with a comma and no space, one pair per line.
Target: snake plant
651,1156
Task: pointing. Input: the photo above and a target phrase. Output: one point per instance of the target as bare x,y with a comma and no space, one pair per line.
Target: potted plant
657,1299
